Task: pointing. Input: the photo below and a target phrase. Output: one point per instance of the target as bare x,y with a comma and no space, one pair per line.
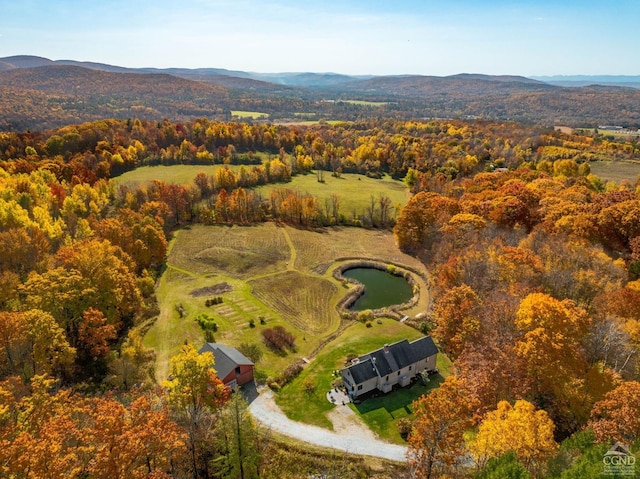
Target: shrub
262,320
290,373
251,350
309,386
425,327
274,386
207,323
260,377
252,323
181,311
404,426
278,339
368,324
213,301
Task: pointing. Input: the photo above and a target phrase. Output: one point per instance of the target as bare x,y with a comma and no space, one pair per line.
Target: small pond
381,289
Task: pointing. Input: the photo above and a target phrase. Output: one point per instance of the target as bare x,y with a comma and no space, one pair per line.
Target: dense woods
536,297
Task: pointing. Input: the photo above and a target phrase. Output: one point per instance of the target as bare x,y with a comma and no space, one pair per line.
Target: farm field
615,170
280,274
255,115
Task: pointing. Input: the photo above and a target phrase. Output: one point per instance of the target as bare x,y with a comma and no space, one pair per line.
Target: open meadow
616,170
175,174
277,274
254,115
360,188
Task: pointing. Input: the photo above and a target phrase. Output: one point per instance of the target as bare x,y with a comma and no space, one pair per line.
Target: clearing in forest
273,276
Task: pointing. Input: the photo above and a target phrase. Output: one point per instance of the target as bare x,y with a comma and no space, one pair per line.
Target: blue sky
429,37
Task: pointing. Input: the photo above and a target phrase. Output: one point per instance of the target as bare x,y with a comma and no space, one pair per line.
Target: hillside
37,93
62,94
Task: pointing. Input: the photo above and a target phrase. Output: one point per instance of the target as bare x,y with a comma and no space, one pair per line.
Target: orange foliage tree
436,442
617,416
456,314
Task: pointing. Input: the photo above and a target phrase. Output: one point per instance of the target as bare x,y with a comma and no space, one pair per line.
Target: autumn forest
534,275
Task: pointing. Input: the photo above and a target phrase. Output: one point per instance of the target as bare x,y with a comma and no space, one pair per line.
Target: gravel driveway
350,440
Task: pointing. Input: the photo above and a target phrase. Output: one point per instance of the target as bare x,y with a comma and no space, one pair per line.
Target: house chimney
386,348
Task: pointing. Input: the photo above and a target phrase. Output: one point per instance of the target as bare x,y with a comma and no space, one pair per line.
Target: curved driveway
265,410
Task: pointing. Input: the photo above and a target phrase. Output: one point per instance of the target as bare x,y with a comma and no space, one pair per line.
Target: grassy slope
271,270
615,170
354,191
178,174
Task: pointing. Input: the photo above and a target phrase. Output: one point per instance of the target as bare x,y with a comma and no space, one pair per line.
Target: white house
396,363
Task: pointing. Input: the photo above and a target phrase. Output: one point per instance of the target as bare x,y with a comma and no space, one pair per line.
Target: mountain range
39,93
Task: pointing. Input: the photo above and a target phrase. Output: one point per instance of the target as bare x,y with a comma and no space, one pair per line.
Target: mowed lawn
382,413
300,403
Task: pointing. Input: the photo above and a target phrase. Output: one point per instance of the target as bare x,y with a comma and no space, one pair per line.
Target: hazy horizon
353,37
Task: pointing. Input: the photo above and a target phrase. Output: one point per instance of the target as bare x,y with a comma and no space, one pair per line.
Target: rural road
351,440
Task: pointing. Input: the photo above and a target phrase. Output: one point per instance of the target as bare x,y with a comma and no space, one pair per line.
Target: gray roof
396,356
362,371
227,359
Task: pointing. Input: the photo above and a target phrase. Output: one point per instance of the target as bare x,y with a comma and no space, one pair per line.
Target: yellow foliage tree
519,428
194,392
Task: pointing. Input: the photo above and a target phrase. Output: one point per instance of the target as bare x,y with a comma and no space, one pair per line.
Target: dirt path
291,264
350,436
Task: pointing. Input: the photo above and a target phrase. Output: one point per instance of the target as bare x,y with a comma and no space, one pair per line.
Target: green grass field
381,413
356,339
176,174
354,190
279,273
256,115
615,170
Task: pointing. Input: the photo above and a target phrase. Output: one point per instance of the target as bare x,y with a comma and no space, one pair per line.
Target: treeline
107,148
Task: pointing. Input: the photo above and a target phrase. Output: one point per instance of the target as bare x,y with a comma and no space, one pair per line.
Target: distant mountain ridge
295,79
586,80
39,93
313,79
